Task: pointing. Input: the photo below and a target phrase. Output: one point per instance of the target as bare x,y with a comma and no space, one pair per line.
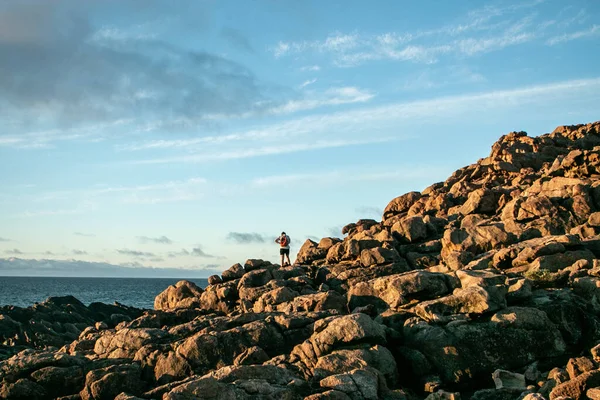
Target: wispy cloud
567,37
129,127
359,126
491,28
202,157
187,189
135,253
310,68
160,239
335,231
14,251
350,175
433,78
194,252
182,252
337,42
308,82
198,252
46,138
403,47
370,212
246,237
85,207
80,252
331,97
4,239
133,33
84,234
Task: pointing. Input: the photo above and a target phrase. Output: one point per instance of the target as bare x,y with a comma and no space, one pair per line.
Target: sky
149,138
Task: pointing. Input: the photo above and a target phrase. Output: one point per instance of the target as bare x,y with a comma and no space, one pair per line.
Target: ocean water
135,292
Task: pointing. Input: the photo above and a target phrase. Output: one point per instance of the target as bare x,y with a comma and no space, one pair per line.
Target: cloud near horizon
246,237
135,253
194,252
14,251
78,268
370,212
335,231
161,239
84,234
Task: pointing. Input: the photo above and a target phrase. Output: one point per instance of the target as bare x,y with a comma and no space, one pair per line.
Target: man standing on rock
284,248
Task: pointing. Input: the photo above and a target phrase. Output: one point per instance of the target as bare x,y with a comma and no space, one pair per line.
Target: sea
135,292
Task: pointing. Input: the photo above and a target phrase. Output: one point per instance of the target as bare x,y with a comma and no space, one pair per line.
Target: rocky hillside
485,286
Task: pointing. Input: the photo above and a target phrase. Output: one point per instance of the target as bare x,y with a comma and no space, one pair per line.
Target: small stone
508,380
579,365
101,325
593,393
214,280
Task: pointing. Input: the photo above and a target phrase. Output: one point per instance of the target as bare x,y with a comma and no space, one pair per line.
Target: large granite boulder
183,294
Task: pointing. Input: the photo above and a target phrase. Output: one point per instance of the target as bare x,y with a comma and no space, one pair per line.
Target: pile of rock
55,322
485,286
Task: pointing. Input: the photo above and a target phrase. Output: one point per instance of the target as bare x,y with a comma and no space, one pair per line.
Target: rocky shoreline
485,286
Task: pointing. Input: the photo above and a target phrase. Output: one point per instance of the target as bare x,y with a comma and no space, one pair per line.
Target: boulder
206,350
255,278
396,290
345,360
579,365
378,255
476,239
357,384
270,300
480,201
576,388
482,278
242,382
107,383
59,381
166,367
593,393
334,332
310,252
183,294
22,389
214,280
250,356
328,300
329,395
126,342
462,352
400,204
509,380
220,297
410,229
234,272
472,301
557,262
254,264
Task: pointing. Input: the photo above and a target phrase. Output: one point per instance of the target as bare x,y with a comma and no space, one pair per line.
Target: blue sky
179,138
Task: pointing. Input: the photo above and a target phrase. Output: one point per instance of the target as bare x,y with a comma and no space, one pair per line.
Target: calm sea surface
136,292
